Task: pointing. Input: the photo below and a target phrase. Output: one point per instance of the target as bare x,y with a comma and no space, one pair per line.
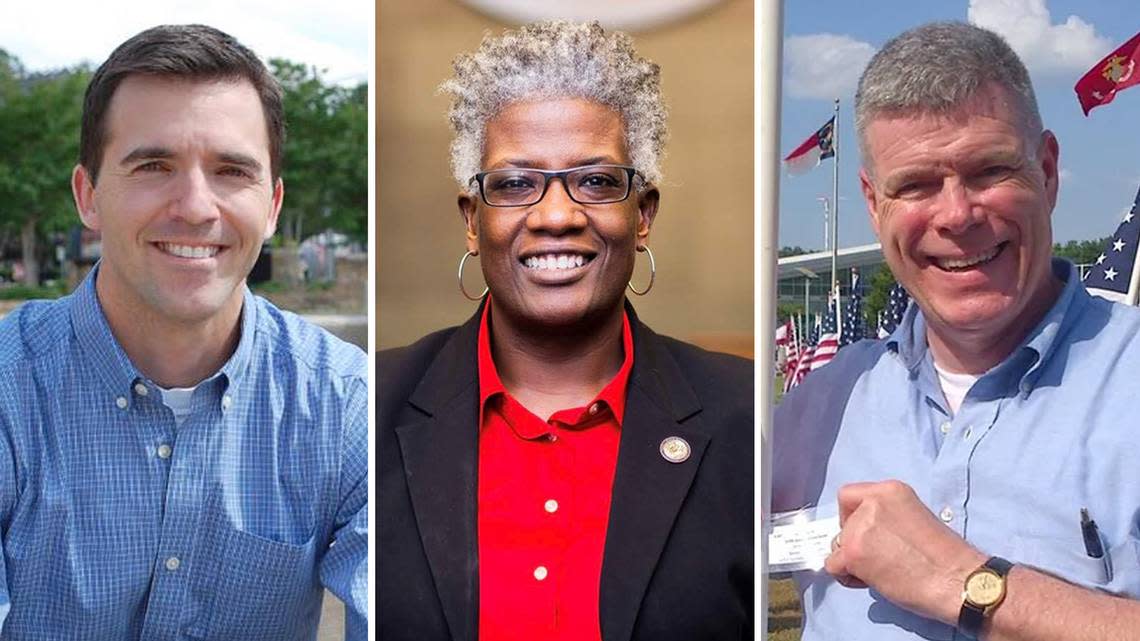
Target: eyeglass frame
551,174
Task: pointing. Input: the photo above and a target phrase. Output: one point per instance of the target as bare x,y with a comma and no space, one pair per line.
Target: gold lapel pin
675,449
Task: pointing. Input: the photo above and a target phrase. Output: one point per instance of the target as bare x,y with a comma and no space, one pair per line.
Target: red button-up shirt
544,502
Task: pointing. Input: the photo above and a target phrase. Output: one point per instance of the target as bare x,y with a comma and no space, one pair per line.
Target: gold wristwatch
982,594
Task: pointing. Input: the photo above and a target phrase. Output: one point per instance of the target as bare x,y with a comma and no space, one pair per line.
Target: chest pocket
263,589
1118,572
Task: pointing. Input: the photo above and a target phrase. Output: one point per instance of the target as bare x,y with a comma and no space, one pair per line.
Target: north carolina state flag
817,147
1117,71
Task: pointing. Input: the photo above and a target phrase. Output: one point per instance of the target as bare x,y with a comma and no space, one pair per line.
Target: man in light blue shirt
178,458
981,459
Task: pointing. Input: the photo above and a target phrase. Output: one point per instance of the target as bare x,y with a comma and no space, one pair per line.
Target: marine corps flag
1117,71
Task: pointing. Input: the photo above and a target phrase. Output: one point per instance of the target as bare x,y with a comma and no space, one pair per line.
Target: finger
850,497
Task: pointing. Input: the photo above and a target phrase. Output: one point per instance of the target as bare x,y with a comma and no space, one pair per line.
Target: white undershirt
954,386
178,400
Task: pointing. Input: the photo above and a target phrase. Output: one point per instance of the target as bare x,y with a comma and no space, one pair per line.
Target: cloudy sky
330,34
829,42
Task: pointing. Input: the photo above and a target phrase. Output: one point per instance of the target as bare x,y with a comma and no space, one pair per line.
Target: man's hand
891,543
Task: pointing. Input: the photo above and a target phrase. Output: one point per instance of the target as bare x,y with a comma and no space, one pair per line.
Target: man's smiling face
183,198
962,203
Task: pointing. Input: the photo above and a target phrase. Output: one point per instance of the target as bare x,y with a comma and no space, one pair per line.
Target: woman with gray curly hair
553,469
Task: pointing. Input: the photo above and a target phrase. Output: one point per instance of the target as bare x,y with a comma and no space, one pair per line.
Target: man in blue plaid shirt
179,459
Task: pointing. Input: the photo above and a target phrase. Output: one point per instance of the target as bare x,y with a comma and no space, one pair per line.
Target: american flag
828,343
793,358
853,316
897,301
1111,276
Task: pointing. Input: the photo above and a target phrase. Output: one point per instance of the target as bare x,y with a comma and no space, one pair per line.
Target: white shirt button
552,437
140,389
946,515
540,573
945,427
227,400
164,451
551,506
121,402
593,409
172,563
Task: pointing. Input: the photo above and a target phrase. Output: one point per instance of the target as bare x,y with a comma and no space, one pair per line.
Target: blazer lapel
648,489
440,453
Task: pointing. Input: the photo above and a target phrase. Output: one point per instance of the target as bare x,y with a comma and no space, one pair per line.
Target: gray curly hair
936,68
555,59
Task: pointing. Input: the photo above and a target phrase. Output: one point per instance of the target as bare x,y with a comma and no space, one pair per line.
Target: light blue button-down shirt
1052,429
116,525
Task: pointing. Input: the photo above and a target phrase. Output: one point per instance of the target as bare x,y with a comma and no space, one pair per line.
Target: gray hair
555,59
936,68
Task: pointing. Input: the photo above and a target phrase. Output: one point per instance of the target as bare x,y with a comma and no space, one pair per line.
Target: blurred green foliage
325,167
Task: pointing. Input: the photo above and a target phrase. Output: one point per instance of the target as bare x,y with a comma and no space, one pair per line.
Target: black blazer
678,561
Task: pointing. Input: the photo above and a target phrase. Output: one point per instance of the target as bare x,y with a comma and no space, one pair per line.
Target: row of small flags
810,348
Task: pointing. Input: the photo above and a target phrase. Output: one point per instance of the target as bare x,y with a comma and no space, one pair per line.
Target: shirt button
945,427
164,451
946,515
227,400
968,432
172,563
540,573
121,402
552,437
551,506
140,389
593,409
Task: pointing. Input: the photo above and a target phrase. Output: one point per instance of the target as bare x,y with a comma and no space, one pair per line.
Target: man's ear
1049,156
83,191
467,209
275,212
871,197
648,200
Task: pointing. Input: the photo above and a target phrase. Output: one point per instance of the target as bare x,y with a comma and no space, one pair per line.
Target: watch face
985,588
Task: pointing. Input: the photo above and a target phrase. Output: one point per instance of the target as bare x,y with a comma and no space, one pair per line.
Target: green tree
1081,251
326,154
39,136
877,294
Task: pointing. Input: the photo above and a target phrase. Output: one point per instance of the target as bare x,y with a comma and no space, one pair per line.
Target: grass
785,619
24,292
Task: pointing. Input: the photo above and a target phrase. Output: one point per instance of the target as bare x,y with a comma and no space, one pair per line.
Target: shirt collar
1024,363
612,395
112,365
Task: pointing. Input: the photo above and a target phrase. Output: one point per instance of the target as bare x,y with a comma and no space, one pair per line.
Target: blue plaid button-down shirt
116,525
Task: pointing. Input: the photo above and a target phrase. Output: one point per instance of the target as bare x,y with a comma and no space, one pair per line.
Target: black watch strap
971,618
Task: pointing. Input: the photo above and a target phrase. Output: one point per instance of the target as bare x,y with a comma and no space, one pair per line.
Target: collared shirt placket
167,613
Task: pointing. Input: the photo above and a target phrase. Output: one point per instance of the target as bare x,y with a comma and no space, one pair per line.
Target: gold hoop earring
652,273
462,262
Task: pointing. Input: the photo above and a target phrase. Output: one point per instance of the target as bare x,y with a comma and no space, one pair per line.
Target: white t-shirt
178,400
954,386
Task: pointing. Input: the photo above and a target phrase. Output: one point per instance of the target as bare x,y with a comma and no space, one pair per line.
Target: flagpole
835,200
1134,283
767,57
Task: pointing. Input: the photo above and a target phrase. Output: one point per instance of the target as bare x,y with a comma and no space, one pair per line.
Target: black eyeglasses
588,185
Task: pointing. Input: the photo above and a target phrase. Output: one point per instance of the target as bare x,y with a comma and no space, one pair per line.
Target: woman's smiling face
557,262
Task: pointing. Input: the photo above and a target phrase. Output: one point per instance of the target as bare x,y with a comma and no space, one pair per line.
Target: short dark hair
192,52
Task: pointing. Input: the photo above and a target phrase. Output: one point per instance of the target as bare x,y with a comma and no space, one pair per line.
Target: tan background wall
702,239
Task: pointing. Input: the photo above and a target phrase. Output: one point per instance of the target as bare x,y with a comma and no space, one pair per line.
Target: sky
827,43
332,35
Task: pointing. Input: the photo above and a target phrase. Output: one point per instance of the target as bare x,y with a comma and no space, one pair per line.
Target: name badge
799,540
